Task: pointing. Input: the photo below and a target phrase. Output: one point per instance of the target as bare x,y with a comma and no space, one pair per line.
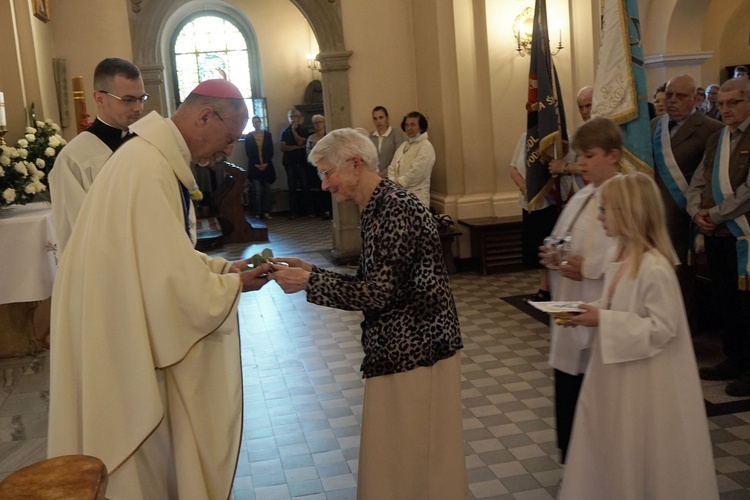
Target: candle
2,110
77,86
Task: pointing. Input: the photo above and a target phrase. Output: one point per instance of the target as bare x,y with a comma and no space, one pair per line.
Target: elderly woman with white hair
411,444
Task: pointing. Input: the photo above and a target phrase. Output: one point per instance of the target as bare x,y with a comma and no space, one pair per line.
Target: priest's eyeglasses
128,99
230,138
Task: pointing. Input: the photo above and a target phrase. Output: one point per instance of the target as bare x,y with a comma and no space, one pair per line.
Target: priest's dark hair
107,69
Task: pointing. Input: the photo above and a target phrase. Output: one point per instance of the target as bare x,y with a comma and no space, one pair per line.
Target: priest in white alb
119,98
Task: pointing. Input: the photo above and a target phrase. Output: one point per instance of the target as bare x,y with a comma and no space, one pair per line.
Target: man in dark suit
680,138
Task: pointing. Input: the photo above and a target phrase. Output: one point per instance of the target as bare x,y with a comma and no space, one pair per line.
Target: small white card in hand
555,307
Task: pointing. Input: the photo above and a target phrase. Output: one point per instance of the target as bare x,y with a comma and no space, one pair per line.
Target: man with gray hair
584,99
679,138
718,200
145,370
119,94
712,95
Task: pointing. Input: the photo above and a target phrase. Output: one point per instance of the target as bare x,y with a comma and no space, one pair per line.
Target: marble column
333,68
153,82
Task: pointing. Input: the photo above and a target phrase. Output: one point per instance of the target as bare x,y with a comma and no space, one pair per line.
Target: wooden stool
71,476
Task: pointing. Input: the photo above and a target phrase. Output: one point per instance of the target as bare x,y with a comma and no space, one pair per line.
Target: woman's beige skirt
412,435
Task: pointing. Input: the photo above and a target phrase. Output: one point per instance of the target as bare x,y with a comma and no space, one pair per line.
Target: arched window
210,45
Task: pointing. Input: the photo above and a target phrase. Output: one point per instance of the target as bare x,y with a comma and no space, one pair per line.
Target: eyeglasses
324,174
230,139
128,99
730,103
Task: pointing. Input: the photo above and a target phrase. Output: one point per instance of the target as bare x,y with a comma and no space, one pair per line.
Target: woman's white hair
344,144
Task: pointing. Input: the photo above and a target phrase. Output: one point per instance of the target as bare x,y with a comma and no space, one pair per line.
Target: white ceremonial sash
721,188
667,166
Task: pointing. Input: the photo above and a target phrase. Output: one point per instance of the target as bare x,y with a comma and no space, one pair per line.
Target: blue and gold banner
546,135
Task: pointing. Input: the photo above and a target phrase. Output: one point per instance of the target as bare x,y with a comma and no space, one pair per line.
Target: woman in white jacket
412,164
640,427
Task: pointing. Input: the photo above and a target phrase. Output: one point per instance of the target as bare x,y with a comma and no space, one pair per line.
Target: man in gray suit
719,201
680,138
386,139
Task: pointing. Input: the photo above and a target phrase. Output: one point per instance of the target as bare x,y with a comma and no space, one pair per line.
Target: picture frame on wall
41,9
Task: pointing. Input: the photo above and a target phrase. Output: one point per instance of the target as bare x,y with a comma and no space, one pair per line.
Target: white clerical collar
123,133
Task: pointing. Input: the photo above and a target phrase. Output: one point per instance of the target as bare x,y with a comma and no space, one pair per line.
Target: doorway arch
153,22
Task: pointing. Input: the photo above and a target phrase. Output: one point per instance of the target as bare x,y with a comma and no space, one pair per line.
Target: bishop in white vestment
145,359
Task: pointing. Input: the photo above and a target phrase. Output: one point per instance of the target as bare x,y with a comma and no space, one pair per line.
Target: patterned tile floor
303,392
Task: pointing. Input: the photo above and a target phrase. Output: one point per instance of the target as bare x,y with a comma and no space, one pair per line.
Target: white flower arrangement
24,167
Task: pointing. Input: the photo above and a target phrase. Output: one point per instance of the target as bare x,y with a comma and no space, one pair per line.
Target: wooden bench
447,237
77,477
495,242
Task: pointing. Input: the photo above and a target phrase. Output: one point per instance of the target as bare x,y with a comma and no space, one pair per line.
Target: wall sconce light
523,29
312,63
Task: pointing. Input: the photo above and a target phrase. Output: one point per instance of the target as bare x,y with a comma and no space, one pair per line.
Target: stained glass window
208,47
211,45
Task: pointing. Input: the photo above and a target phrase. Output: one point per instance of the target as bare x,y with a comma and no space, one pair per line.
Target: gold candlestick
3,131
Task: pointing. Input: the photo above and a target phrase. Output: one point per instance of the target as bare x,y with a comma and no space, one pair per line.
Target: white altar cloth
28,260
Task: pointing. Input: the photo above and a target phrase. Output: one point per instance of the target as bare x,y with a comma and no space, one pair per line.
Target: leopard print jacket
401,286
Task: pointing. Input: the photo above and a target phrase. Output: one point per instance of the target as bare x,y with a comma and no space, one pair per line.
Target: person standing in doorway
261,172
293,145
